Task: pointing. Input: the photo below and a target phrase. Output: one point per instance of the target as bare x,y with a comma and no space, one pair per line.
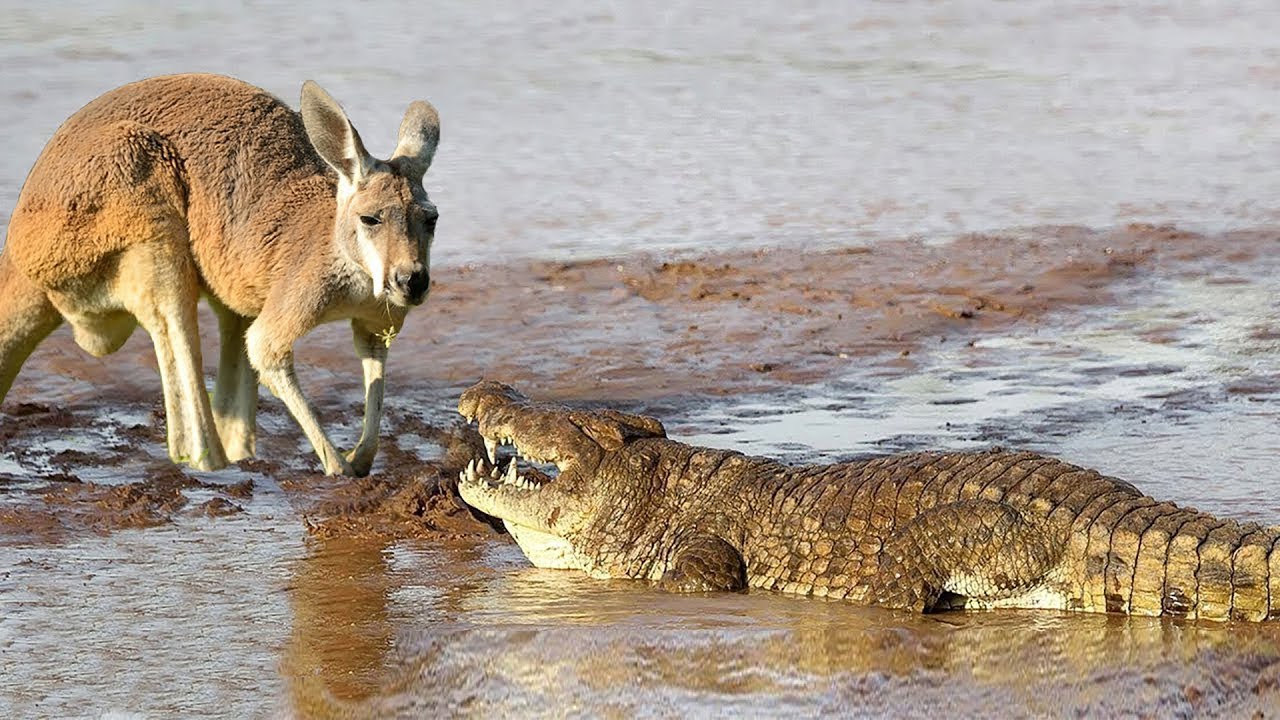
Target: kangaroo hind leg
157,282
235,394
26,318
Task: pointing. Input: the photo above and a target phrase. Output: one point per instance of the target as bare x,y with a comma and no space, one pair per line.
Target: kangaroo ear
332,134
419,135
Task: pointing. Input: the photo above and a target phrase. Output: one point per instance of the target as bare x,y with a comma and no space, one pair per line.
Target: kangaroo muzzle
412,283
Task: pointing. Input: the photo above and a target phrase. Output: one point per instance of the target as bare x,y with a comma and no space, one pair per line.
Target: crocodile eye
370,220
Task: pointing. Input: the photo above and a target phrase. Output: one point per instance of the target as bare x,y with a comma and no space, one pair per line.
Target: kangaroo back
239,164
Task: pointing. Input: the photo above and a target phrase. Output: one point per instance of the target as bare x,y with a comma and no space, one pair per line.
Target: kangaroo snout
412,283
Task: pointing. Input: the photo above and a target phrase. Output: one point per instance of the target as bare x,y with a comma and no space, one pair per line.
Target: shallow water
582,128
177,621
504,638
1176,391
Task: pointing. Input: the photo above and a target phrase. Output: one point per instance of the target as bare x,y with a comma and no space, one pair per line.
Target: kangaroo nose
414,283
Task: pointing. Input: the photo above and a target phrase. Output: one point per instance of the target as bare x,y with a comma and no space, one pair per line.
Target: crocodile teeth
512,475
491,449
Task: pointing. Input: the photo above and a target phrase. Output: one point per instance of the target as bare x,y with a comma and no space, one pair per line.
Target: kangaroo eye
370,220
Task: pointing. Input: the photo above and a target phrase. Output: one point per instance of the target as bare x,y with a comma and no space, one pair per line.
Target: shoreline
373,590
641,326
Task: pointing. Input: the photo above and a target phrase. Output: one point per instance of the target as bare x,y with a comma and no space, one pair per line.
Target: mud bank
639,329
645,327
409,497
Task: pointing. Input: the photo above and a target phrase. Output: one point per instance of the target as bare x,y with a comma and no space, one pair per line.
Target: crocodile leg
975,548
705,563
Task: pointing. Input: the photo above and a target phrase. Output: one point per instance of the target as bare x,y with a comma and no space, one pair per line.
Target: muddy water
130,589
1186,371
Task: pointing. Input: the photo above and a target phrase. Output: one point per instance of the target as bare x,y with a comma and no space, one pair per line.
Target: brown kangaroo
175,187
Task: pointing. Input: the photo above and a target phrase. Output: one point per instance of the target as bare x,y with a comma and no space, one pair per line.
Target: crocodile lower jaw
545,550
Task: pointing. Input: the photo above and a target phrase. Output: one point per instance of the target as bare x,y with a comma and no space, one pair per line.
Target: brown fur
178,186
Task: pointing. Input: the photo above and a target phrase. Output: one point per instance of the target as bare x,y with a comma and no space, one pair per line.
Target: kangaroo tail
26,318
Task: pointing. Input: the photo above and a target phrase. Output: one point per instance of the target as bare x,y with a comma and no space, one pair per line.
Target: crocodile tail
1150,558
1212,569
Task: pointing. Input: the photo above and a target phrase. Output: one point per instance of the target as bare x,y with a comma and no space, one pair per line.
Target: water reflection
341,627
467,630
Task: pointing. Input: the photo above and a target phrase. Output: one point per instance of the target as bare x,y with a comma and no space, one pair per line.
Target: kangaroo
176,187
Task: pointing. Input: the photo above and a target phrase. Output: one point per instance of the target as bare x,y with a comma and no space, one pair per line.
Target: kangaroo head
384,223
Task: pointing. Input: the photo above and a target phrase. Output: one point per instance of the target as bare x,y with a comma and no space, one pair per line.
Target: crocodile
607,493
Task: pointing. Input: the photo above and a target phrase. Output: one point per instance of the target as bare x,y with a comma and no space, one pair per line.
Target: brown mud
407,498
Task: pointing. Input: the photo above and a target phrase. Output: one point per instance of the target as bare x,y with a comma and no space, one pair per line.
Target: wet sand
385,595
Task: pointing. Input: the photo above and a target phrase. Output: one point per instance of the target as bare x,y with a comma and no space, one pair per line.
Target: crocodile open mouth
508,470
505,465
540,459
539,469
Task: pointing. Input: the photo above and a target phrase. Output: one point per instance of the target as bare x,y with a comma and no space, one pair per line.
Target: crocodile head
549,490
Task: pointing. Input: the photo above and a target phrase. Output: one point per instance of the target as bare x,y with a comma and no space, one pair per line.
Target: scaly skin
919,531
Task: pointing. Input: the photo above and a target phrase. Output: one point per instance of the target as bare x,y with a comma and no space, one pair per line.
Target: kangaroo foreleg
271,354
371,348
